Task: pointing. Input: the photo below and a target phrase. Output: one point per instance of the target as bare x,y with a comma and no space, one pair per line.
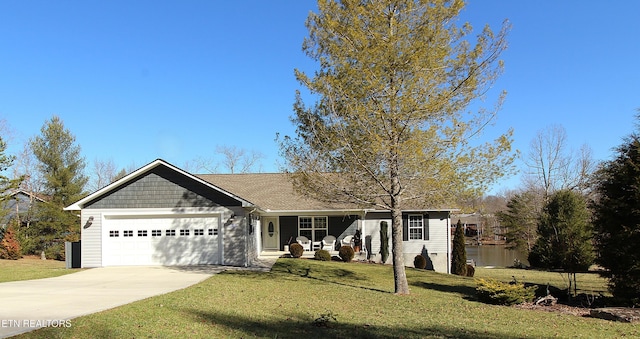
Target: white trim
409,227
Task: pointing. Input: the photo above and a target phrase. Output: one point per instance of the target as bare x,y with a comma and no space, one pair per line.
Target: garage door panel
161,241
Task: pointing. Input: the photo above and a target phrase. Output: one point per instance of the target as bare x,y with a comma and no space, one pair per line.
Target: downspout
246,239
448,242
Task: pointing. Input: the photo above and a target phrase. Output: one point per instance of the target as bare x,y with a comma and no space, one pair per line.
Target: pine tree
520,219
617,220
459,252
62,167
565,236
391,116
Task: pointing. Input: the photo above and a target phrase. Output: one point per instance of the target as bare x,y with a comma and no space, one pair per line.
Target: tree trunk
399,275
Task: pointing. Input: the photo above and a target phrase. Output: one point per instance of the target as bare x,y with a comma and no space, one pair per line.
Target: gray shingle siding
162,188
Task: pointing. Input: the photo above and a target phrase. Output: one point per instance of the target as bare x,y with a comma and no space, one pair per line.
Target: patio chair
329,243
305,242
347,241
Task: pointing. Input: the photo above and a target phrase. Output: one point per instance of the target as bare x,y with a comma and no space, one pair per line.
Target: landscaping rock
622,314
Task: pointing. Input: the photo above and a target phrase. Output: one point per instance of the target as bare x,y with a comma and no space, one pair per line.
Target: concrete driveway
31,304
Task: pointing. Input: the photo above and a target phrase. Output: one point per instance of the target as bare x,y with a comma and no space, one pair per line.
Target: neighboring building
19,204
162,215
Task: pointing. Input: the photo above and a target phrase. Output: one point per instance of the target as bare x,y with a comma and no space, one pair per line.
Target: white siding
91,238
437,247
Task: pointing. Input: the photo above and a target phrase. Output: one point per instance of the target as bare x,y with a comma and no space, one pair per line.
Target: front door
270,233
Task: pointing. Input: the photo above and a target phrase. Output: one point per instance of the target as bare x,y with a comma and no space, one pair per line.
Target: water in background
494,255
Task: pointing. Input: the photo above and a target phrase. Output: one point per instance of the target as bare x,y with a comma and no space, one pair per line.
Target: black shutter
405,227
425,227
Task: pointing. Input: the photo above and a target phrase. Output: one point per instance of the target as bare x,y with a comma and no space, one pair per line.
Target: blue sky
140,80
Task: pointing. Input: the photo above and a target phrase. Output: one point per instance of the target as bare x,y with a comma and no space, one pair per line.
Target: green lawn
31,268
285,302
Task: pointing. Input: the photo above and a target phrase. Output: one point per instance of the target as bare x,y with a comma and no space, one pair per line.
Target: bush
419,262
296,250
499,293
9,246
55,251
384,241
346,253
322,255
471,271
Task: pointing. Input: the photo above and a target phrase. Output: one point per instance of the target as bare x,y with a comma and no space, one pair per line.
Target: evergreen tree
384,241
62,168
565,236
391,117
520,219
459,252
617,220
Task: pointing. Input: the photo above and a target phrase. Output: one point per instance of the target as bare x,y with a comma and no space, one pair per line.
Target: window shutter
425,227
405,227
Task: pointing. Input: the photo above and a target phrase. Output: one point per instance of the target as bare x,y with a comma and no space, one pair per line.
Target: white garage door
161,240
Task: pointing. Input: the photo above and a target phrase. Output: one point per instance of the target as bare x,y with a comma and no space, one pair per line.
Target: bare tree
25,166
102,174
553,166
238,160
234,160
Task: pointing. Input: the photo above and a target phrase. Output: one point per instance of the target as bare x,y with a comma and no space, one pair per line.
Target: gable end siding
162,188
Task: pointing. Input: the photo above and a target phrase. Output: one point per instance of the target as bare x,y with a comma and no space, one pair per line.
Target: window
156,233
114,233
127,233
170,233
198,232
142,233
213,231
184,232
415,227
314,228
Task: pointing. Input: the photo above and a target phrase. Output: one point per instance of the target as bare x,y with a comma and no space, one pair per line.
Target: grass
29,268
297,295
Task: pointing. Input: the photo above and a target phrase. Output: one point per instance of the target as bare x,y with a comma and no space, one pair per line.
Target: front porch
273,254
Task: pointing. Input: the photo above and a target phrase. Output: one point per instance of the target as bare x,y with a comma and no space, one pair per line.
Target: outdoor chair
347,241
329,243
305,242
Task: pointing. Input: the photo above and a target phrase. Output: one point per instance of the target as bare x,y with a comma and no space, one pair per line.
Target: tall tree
391,115
552,166
617,219
565,235
62,167
459,252
521,221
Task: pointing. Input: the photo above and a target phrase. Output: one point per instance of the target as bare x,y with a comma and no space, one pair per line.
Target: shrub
459,252
322,255
346,253
499,293
55,251
384,241
9,246
296,250
471,271
419,262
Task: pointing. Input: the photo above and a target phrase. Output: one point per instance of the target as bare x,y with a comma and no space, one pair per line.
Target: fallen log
549,300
